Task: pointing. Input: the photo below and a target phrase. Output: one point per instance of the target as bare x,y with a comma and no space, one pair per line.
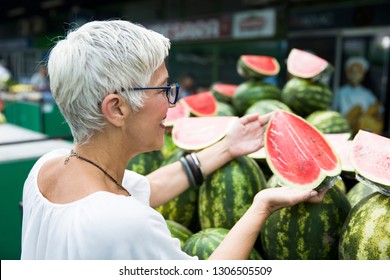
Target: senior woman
110,81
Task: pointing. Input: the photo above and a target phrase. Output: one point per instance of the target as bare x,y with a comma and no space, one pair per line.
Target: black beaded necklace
77,155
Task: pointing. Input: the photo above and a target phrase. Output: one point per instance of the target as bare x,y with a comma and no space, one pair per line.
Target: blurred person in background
5,73
358,103
187,85
40,79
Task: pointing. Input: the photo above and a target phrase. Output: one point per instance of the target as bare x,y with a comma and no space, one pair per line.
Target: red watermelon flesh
298,153
201,104
305,65
225,89
370,157
342,146
267,65
175,113
196,133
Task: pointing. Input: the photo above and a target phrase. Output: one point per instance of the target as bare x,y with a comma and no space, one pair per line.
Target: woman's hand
269,200
247,134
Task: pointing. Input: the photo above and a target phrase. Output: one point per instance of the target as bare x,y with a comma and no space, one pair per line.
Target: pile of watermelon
306,146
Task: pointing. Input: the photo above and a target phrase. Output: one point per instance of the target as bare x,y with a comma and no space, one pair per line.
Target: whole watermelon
204,242
225,109
306,231
178,231
169,147
183,209
147,162
265,106
305,97
358,192
228,192
251,91
328,121
366,232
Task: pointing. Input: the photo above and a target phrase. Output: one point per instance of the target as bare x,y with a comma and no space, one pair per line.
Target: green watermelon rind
306,231
204,242
249,72
266,106
250,92
146,163
179,231
220,95
228,192
324,176
328,121
358,192
305,97
365,234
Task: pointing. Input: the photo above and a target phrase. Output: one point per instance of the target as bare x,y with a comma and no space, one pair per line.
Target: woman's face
146,126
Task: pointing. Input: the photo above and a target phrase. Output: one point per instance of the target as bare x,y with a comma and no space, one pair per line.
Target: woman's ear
115,109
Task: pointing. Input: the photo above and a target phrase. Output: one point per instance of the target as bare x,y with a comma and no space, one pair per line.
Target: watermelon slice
202,104
257,66
224,92
306,65
195,133
175,113
370,157
342,146
259,154
297,153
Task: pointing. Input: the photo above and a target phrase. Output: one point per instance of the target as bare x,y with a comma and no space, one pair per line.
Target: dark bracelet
195,170
188,171
197,162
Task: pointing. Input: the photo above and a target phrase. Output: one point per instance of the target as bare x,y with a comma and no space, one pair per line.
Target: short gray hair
99,58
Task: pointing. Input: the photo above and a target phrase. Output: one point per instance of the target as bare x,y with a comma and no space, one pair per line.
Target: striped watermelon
223,92
179,231
358,192
168,147
204,242
328,121
266,106
183,209
305,97
228,192
366,232
147,162
225,109
249,92
306,231
257,67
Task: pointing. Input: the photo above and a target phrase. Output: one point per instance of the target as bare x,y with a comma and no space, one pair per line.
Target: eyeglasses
172,91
